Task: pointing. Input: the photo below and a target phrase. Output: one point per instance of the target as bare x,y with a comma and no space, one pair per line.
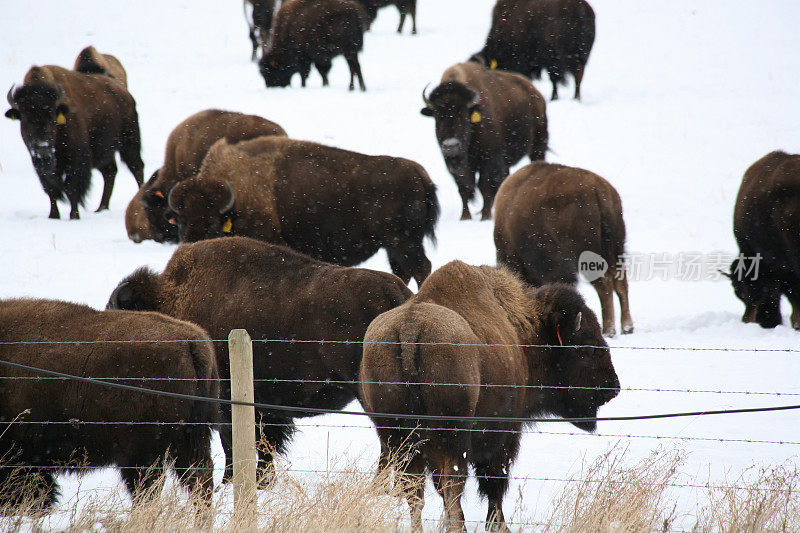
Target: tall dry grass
610,494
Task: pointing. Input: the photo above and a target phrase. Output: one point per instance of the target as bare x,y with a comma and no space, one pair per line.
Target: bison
478,342
313,31
337,206
90,61
63,425
486,121
551,219
187,145
405,7
136,223
528,36
274,293
72,122
766,224
260,24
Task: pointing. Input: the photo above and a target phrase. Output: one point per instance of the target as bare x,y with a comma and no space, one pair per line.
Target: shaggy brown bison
766,224
551,219
405,7
90,61
313,31
335,205
71,123
187,145
486,121
260,23
274,293
75,339
528,36
413,355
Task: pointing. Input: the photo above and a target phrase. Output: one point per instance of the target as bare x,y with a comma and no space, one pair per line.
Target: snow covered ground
679,99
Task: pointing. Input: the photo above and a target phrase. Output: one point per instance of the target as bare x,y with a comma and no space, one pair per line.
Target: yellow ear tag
475,117
227,226
61,119
493,64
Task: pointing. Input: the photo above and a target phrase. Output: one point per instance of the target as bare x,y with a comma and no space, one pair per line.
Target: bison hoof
610,333
74,216
101,208
54,215
486,216
466,216
627,329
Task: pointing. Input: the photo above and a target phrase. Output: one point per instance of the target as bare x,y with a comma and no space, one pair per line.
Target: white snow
679,99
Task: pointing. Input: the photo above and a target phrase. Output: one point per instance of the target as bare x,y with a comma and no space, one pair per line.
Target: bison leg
605,291
130,151
355,69
142,479
54,208
109,173
794,299
75,186
621,288
449,475
493,482
323,67
490,179
413,479
305,70
24,487
578,74
408,259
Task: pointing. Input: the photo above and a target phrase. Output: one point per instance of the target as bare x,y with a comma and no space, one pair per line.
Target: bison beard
442,335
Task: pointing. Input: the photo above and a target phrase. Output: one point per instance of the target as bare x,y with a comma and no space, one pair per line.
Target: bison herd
281,222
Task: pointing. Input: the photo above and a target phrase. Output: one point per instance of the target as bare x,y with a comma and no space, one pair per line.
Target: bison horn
476,99
10,96
425,98
578,322
61,94
231,199
171,198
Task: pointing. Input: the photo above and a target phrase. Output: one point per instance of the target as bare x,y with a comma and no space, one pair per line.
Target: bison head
579,356
154,200
760,293
201,209
40,108
456,109
276,70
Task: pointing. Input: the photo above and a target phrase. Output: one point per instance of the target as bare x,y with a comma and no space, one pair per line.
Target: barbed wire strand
404,416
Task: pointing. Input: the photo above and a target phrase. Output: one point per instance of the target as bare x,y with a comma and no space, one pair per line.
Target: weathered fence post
240,350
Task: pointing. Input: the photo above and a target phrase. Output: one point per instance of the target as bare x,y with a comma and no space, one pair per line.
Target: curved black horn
476,98
171,198
232,198
61,94
425,98
10,96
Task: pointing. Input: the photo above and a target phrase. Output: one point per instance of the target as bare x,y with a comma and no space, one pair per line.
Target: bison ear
427,111
13,114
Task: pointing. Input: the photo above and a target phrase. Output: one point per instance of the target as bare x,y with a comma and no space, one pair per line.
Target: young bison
441,336
61,338
549,218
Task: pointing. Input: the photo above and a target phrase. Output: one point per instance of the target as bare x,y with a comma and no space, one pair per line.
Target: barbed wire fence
38,374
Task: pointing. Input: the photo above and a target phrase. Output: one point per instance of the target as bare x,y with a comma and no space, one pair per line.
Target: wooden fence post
240,352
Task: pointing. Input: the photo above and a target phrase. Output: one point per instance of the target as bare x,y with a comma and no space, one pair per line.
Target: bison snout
451,147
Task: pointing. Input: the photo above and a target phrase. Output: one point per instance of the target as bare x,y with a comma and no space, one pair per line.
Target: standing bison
72,122
59,427
486,121
405,7
766,224
548,218
187,145
310,32
466,326
334,205
274,293
528,36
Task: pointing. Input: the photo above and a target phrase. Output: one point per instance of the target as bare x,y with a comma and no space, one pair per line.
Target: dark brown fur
528,36
132,448
332,204
405,7
462,304
766,223
310,32
90,61
99,119
136,223
511,122
546,215
187,145
274,293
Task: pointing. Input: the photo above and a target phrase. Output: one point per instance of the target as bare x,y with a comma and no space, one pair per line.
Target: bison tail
204,414
432,210
612,227
409,360
137,292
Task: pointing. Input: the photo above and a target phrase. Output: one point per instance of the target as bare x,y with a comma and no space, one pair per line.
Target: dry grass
612,495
